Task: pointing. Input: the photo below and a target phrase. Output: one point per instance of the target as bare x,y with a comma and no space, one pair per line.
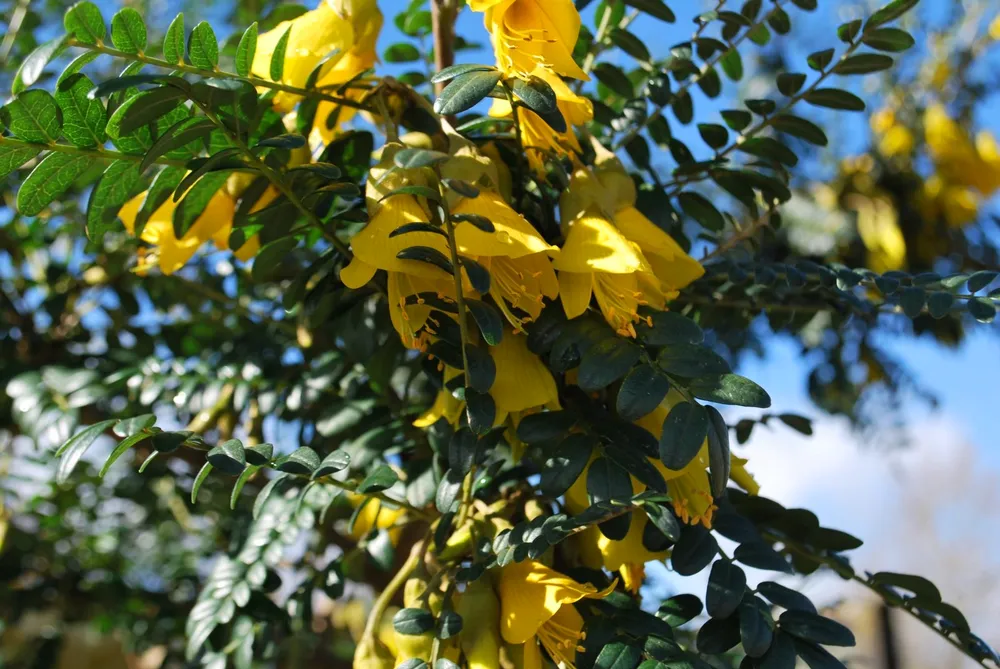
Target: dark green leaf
726,585
488,320
888,39
815,628
606,362
654,8
382,478
918,585
641,392
401,52
449,625
700,209
790,83
479,276
119,183
616,80
670,328
481,410
547,425
799,127
123,446
982,309
890,12
694,551
781,655
618,655
756,626
535,94
834,98
718,635
413,622
785,597
606,481
863,63
261,454
691,360
413,158
761,556
229,457
567,463
32,67
74,449
301,461
684,431
449,73
820,59
465,91
730,389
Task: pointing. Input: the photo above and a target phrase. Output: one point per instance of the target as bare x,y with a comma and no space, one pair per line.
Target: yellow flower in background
597,260
958,205
376,515
214,224
539,139
536,607
959,159
894,138
878,227
994,29
529,33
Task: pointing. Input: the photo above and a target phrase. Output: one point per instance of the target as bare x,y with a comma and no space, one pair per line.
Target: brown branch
443,14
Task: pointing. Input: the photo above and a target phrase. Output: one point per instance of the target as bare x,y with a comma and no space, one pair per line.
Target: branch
98,153
443,15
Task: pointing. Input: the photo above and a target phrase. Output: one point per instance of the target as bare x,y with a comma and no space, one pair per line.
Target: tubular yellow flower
539,139
214,224
536,607
529,33
598,260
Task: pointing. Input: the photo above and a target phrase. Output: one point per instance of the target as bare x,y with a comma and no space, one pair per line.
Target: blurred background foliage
104,572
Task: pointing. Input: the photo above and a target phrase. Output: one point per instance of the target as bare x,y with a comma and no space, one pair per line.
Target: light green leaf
33,116
203,47
120,182
84,22
246,50
51,178
12,157
128,31
173,41
278,56
33,66
84,118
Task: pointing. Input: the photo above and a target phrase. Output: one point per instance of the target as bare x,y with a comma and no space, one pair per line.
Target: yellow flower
376,515
523,382
480,637
536,607
529,33
878,227
994,30
626,556
957,204
598,260
214,224
313,36
540,140
958,159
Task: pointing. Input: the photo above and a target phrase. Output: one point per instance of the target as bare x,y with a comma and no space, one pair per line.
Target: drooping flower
480,637
540,140
376,515
214,224
529,33
536,611
597,260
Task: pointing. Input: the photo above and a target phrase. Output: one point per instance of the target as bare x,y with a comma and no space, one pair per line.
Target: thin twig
98,153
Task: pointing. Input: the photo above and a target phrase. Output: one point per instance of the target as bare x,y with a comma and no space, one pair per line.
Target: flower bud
480,637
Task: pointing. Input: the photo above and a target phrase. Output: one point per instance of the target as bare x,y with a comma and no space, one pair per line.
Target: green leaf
716,136
834,98
32,67
414,158
401,52
428,255
718,635
918,585
761,556
449,625
730,389
140,140
863,63
631,44
732,64
277,66
179,135
203,47
536,94
128,31
679,610
641,392
168,442
769,148
332,463
606,481
718,452
119,183
665,521
414,190
466,189
785,597
981,280
84,118
799,127
541,427
13,157
84,22
413,622
302,460
449,73
51,178
123,446
691,360
229,457
383,478
606,362
849,30
488,319
566,464
781,655
815,628
74,449
482,370
33,116
481,409
669,327
726,585
654,8
700,209
259,454
638,465
465,91
982,309
890,12
888,39
790,83
244,476
756,626
798,423
820,59
694,551
616,80
173,41
684,430
618,655
203,473
246,50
